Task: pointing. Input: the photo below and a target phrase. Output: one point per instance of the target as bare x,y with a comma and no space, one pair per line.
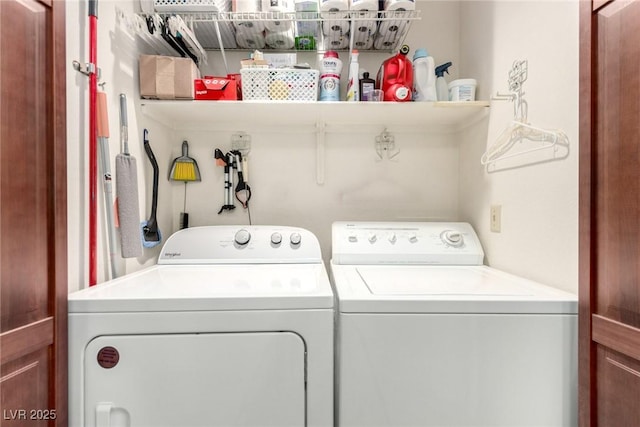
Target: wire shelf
291,31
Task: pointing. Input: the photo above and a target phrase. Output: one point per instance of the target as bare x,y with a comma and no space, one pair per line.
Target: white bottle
353,86
424,77
442,88
330,69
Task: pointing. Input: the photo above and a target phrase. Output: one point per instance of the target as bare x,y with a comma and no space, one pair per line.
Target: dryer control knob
413,238
373,238
393,238
242,237
276,238
353,238
452,238
295,238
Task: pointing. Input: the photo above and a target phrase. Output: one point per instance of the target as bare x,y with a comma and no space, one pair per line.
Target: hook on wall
241,142
517,76
386,146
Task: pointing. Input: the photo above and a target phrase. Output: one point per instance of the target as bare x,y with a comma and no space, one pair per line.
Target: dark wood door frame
585,271
609,307
46,335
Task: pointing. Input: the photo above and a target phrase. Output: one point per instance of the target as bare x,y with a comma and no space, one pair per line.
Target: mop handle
124,130
105,164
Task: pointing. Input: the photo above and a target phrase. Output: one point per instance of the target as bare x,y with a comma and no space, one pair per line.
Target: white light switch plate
496,218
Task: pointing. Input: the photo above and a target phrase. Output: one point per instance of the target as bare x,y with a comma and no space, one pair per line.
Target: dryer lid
210,288
444,289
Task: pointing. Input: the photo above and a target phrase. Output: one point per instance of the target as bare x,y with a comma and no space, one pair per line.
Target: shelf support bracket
320,155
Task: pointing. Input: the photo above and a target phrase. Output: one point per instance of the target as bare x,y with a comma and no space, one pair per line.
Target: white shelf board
230,115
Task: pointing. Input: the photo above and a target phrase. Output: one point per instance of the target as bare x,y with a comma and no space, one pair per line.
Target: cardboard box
186,72
213,88
166,77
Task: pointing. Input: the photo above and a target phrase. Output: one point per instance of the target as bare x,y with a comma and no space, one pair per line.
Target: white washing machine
428,336
233,327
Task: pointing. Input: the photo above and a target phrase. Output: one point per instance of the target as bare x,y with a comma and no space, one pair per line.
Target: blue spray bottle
442,89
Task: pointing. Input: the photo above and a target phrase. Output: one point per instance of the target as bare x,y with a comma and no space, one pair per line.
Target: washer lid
210,288
444,289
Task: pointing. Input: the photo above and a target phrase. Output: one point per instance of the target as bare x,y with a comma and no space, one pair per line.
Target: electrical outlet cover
496,218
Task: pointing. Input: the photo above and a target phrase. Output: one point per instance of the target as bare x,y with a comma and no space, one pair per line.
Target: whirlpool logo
172,254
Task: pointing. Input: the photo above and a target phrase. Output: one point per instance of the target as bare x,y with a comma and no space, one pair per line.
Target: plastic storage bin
260,84
462,90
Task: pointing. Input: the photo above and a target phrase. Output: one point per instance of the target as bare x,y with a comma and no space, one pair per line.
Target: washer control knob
353,238
295,238
242,237
373,238
393,237
452,238
413,238
276,238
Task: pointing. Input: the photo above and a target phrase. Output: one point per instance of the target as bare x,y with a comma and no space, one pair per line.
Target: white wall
421,183
117,59
539,237
435,177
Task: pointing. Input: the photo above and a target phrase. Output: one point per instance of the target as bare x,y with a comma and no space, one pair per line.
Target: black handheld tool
242,188
226,160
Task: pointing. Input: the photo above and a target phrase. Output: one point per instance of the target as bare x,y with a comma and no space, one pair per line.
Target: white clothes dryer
232,327
428,336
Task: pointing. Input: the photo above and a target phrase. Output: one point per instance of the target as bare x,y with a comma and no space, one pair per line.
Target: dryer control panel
444,243
225,244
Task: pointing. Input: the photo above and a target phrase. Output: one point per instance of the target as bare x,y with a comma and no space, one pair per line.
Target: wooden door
33,260
610,214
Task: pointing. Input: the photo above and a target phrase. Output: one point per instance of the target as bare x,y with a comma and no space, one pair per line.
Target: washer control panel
446,243
241,244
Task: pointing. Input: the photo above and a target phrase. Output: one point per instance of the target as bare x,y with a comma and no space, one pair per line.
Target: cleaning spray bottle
424,76
353,85
441,84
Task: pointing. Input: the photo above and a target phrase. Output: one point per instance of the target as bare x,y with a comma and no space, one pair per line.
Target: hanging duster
127,192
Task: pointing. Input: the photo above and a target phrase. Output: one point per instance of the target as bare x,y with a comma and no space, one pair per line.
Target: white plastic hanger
519,131
154,41
178,28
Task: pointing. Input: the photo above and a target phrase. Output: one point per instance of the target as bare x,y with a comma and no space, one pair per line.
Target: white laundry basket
259,84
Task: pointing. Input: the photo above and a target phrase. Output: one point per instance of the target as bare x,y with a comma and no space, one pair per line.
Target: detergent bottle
330,68
395,77
424,76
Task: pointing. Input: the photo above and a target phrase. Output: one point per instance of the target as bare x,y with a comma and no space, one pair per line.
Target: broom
185,169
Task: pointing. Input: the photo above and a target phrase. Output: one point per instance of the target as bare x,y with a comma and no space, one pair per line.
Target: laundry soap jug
395,77
424,77
442,88
330,68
